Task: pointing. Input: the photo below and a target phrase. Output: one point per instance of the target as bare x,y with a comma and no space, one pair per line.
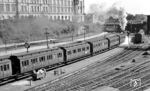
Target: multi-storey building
53,9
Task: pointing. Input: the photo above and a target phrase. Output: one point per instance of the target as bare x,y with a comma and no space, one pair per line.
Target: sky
131,6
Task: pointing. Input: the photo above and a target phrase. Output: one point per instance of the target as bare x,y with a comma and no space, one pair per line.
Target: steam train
17,64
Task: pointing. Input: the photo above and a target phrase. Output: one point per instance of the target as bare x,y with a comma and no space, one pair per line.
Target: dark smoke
102,13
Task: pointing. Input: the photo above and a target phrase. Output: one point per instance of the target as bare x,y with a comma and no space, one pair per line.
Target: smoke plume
103,12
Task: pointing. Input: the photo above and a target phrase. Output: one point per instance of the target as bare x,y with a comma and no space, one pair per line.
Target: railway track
26,75
142,73
99,79
92,75
121,80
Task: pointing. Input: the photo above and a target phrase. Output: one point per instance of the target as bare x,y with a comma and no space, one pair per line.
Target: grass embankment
31,29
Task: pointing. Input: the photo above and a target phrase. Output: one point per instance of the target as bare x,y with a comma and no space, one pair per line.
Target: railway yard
114,71
122,68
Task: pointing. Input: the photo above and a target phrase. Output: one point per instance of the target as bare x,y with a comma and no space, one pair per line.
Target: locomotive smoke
103,12
127,41
123,20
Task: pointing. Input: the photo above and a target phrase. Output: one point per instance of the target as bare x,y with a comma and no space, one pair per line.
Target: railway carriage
35,60
5,67
122,38
99,44
26,62
76,50
114,40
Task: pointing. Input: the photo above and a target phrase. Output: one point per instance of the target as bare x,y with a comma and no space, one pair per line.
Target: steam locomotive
112,27
17,64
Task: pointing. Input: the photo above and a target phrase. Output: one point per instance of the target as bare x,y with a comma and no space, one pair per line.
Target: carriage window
8,67
79,50
49,57
34,60
5,67
22,63
2,68
83,49
87,48
41,59
74,51
59,55
25,63
99,44
69,52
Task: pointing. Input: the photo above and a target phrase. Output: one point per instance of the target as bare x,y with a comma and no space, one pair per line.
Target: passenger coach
26,62
5,67
21,63
76,50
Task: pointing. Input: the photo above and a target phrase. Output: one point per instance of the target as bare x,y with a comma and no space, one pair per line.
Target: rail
52,85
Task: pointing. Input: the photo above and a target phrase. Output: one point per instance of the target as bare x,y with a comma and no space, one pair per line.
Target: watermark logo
135,82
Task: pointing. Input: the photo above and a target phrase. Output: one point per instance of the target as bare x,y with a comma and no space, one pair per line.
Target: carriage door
1,71
15,65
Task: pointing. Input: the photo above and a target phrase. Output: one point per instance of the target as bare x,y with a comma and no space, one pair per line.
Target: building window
7,7
46,9
38,9
54,1
62,17
50,9
58,17
62,9
58,2
69,3
54,10
1,7
61,3
65,17
50,1
31,8
65,3
58,10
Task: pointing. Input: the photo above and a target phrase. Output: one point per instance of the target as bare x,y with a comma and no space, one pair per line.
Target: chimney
148,24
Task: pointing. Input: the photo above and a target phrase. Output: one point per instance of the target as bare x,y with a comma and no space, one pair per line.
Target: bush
21,30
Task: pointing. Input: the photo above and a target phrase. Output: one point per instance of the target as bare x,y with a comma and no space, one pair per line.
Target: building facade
53,9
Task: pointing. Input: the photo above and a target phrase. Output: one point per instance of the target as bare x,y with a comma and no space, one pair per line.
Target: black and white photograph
74,45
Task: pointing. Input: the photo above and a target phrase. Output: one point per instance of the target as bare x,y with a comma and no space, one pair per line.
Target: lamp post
27,46
84,29
47,33
84,33
72,36
5,46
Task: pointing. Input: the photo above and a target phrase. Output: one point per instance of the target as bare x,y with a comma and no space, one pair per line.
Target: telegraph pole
84,34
